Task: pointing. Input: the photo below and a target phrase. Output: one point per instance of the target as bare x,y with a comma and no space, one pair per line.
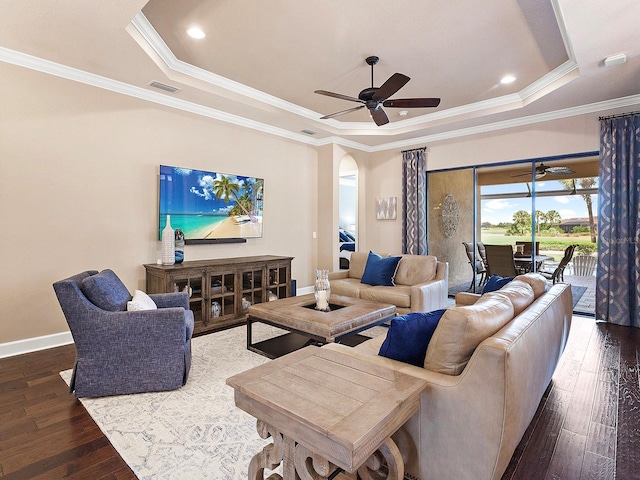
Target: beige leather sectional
421,283
487,365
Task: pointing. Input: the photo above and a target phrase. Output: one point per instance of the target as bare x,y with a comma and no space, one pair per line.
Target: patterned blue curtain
414,202
618,274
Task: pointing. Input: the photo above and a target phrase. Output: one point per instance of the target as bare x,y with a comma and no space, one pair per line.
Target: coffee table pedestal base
299,463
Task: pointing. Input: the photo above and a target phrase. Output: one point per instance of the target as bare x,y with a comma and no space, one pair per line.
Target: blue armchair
119,351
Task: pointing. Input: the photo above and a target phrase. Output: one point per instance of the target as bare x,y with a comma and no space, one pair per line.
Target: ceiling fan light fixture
196,32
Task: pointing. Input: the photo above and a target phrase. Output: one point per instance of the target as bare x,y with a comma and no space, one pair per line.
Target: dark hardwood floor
587,425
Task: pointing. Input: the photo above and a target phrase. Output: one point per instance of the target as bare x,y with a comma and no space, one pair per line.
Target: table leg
392,466
300,463
271,455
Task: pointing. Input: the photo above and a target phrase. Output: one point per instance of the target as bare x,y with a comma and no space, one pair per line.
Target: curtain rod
619,115
413,150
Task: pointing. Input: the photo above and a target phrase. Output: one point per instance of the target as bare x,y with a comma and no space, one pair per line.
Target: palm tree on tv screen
224,187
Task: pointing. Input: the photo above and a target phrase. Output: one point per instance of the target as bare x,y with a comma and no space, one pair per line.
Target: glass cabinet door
194,288
252,291
222,295
278,282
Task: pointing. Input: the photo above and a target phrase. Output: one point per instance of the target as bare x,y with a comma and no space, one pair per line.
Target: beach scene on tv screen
210,205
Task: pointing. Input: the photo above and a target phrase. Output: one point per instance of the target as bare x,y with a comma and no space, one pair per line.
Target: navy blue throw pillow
496,282
379,270
409,335
106,291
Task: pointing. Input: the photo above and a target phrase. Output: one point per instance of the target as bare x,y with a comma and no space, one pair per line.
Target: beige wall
384,169
78,187
78,190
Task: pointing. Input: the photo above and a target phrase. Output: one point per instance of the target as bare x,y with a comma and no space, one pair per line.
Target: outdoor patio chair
479,268
557,275
528,246
500,260
584,265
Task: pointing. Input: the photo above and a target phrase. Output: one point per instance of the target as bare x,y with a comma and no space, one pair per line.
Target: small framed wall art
386,208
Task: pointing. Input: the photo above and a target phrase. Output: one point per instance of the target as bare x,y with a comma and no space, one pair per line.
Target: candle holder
322,290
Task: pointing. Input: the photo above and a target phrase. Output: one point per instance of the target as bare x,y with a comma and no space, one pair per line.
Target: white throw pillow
141,301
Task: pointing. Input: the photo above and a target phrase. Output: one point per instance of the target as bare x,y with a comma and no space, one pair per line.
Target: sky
501,210
185,190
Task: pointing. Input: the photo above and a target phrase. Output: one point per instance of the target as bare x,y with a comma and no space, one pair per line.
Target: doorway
347,210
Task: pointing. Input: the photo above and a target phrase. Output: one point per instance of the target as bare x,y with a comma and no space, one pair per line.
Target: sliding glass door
544,211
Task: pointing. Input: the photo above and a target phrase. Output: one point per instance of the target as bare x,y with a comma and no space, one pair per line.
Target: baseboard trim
29,345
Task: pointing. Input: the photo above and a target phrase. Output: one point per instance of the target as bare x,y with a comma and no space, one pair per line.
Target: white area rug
195,432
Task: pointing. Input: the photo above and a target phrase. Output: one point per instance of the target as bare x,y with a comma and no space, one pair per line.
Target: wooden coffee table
326,412
306,325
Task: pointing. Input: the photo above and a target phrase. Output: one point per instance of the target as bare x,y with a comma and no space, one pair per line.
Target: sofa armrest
338,275
466,298
432,295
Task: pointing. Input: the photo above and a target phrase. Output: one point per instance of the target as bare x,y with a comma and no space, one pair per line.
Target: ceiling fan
542,170
375,98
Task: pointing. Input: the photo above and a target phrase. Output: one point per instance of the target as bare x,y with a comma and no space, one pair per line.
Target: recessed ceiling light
196,32
507,79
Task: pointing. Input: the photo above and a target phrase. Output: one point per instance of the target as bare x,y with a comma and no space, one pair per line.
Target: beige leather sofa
487,365
421,283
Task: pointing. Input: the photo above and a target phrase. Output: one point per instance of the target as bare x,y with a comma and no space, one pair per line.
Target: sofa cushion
462,329
409,335
400,295
520,294
106,291
357,261
537,282
380,270
348,287
495,282
415,269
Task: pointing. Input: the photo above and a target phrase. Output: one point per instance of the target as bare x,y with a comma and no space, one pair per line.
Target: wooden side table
327,412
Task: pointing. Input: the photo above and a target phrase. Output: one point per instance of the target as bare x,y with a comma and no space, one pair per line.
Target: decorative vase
168,245
179,245
322,290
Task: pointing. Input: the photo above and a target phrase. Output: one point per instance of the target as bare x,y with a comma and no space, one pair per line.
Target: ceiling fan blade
559,170
520,174
412,102
394,83
338,95
342,112
379,116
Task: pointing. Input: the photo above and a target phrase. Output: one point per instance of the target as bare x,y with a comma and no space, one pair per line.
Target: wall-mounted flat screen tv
210,206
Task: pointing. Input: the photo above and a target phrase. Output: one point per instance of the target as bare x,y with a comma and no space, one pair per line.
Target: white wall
79,186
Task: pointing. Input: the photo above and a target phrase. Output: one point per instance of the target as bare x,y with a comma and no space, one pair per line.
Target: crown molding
80,76
631,100
145,34
45,66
